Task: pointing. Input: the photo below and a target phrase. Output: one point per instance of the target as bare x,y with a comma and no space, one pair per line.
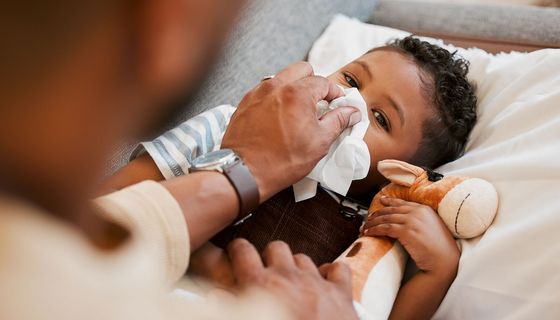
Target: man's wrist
263,172
245,185
208,201
232,166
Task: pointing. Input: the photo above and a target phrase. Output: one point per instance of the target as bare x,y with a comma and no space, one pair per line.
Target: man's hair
445,85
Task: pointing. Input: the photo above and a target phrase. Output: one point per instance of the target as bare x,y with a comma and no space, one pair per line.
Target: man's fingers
337,120
320,88
278,253
304,262
340,274
294,72
245,260
324,269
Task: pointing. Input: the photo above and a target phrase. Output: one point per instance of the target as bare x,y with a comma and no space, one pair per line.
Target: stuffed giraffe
466,205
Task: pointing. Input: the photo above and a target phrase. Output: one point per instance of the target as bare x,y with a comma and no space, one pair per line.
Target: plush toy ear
399,172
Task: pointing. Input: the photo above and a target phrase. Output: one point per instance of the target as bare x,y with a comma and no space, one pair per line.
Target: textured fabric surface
507,23
314,227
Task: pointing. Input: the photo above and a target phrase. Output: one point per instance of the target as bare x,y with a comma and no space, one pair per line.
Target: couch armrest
491,27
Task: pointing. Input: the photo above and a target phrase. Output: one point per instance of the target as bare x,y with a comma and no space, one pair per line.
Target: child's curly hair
446,86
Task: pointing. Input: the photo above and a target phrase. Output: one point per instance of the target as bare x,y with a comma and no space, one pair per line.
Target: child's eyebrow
364,66
397,107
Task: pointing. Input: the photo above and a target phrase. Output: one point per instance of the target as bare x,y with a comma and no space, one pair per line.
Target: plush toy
466,205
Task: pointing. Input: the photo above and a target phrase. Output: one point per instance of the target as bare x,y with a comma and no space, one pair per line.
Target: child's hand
420,231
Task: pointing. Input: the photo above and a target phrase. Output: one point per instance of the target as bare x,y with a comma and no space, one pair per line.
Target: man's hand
275,129
420,231
305,291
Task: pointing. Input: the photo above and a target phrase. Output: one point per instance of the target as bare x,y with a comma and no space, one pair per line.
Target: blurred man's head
78,77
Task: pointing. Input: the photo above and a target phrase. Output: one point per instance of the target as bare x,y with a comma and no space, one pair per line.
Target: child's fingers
391,230
387,210
391,210
397,218
394,202
383,212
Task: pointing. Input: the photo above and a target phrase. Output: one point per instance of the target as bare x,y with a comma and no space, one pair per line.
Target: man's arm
269,131
208,200
138,170
209,203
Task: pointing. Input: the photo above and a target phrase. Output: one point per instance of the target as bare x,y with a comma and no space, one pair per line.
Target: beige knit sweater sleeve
50,270
153,216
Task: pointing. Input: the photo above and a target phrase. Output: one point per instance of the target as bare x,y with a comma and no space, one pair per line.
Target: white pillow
513,270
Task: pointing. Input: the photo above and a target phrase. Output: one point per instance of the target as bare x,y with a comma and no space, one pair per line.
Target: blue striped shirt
174,150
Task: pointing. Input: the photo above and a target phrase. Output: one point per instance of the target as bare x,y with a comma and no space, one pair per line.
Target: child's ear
399,172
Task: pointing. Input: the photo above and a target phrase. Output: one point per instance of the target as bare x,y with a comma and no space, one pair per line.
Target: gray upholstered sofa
274,33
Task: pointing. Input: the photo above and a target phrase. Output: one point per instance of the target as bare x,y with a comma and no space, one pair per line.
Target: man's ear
399,172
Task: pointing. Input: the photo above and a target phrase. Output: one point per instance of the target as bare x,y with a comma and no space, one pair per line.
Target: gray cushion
271,34
534,25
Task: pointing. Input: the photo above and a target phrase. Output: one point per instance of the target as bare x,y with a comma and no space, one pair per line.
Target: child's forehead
389,68
387,55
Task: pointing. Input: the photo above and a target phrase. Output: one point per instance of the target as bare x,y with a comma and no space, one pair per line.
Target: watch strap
245,186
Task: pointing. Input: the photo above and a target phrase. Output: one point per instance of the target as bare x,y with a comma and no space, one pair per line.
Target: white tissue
348,158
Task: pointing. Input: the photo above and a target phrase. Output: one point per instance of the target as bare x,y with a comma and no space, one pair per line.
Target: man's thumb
337,120
340,274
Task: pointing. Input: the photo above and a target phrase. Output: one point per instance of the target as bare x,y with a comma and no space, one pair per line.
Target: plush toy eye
434,176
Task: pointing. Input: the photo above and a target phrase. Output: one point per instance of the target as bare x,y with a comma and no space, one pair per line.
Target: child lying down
421,109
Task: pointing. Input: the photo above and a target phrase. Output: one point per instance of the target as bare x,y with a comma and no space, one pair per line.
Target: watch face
218,157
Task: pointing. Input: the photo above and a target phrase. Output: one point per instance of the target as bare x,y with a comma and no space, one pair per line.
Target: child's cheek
369,139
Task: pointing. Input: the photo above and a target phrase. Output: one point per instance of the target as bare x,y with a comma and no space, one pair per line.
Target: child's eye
351,82
381,119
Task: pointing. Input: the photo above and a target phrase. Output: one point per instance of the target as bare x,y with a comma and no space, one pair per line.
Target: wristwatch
230,164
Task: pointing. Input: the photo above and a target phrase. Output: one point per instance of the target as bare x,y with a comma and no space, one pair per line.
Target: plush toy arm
469,208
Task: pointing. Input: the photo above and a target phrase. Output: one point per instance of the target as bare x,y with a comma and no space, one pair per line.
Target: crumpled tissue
348,158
